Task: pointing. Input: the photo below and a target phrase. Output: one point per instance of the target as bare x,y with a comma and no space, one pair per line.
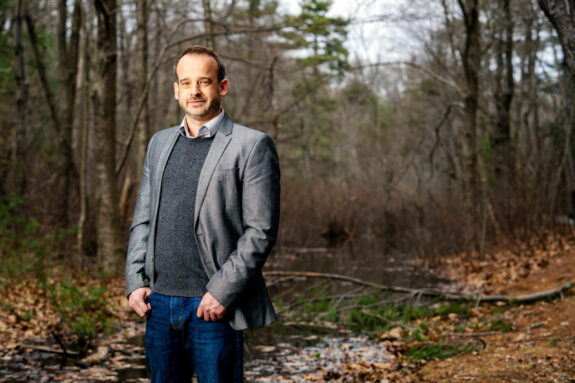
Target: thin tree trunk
307,167
504,86
68,58
84,134
143,131
104,103
471,60
17,177
210,40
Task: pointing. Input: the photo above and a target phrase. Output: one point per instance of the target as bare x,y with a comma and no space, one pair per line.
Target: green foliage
322,36
501,325
24,249
459,308
84,309
5,306
437,351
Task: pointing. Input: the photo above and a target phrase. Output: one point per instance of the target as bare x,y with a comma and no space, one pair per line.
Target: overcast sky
381,30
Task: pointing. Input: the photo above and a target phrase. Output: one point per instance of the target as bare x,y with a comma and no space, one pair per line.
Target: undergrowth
29,253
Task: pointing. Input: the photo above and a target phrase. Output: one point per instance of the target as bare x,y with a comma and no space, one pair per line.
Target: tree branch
145,93
431,74
425,292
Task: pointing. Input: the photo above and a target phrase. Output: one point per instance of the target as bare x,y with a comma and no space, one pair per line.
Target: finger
140,309
200,312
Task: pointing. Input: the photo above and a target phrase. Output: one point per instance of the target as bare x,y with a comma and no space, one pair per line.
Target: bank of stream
286,351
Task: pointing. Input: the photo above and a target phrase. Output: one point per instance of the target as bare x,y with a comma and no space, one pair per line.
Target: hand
210,309
137,300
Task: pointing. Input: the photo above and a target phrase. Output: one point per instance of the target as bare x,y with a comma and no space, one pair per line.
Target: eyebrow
201,78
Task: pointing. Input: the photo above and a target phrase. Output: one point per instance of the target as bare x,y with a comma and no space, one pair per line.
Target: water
364,259
268,351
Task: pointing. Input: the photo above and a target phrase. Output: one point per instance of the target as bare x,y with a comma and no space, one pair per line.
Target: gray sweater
179,271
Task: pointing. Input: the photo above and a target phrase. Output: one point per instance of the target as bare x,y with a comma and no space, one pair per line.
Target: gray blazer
236,219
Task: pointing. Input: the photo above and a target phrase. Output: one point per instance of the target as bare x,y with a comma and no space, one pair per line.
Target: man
206,219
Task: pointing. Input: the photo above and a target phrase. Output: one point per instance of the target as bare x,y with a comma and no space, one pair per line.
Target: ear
223,87
176,91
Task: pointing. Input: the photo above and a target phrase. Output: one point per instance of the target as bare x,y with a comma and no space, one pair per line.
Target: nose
195,88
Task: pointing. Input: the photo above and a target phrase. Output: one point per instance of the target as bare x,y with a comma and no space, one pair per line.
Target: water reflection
366,259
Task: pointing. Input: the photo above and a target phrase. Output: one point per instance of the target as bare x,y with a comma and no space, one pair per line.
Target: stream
276,353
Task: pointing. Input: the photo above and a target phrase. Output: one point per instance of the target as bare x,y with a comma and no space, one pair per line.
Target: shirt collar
207,130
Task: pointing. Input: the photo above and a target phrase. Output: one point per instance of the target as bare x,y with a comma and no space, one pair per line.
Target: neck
194,125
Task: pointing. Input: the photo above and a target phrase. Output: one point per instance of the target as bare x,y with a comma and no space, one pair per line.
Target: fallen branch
470,334
51,350
426,292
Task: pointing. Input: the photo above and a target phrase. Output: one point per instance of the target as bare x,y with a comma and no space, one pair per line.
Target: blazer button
152,259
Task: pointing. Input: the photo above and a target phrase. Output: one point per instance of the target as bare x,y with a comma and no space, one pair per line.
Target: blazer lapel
221,141
163,160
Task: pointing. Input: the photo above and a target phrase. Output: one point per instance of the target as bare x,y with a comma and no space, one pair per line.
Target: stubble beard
211,110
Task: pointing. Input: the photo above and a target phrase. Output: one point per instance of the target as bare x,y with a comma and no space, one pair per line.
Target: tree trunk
84,134
561,13
503,162
143,131
210,40
68,57
17,156
471,60
104,103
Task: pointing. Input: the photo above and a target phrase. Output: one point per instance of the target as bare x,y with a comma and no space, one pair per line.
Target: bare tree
104,100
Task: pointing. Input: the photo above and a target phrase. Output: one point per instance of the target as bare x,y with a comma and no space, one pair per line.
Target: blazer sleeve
139,233
260,215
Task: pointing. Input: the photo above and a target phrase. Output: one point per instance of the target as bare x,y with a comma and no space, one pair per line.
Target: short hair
200,50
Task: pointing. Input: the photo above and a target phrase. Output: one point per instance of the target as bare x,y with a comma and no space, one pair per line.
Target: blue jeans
178,342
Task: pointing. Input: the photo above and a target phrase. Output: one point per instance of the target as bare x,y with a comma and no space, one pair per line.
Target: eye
204,82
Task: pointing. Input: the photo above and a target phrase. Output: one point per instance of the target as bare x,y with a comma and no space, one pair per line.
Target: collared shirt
207,130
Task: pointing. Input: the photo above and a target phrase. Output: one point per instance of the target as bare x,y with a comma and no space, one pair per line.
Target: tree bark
471,60
210,39
16,177
561,13
143,131
501,142
68,58
104,103
84,116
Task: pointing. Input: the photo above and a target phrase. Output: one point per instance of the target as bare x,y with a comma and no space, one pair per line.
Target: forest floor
539,343
504,342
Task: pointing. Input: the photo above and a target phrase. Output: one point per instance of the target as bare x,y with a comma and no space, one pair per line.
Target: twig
470,334
59,341
324,325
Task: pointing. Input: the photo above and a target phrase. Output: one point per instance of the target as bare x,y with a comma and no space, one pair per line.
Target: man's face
197,89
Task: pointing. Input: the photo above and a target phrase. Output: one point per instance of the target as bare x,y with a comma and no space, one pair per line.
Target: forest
435,132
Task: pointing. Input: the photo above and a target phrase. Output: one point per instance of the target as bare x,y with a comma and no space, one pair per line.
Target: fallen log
448,296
